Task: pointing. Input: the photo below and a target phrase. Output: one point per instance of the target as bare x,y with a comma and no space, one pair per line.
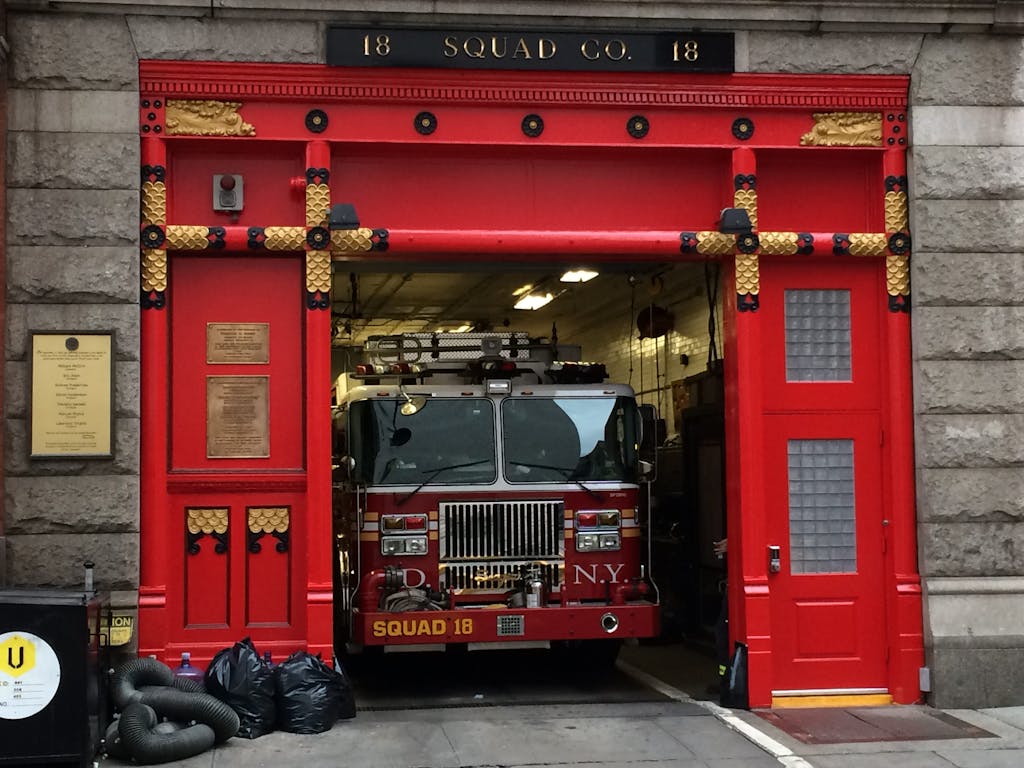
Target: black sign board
545,51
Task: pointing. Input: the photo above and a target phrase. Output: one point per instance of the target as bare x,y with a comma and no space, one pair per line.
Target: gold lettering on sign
844,129
206,118
237,417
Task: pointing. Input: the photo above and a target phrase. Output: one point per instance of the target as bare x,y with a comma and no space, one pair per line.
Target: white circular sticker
29,675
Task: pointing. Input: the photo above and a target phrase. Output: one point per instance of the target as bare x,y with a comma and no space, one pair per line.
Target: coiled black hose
145,741
151,684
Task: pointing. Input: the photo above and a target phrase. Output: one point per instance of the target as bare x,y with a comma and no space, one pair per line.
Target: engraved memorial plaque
237,417
237,343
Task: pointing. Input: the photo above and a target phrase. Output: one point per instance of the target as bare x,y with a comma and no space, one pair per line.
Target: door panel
825,515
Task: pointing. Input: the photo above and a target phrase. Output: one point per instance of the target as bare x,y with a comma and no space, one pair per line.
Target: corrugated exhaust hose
146,691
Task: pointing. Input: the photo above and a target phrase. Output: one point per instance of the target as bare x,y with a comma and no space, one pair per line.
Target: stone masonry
72,260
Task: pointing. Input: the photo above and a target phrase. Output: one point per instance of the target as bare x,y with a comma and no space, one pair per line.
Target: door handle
774,558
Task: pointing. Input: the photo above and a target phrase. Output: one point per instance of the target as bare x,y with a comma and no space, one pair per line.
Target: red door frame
744,115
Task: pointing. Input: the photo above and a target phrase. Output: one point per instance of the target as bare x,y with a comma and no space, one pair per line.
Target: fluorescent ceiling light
533,301
523,289
463,328
578,276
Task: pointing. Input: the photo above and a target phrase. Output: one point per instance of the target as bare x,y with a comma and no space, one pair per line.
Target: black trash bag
311,696
240,678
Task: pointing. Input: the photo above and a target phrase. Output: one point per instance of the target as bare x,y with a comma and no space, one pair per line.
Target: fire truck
487,495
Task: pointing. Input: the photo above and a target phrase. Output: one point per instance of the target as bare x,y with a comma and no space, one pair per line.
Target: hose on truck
146,691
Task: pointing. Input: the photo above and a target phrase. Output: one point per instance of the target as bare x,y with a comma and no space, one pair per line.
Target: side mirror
646,470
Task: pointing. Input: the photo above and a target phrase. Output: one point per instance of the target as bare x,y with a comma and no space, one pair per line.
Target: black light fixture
343,216
735,221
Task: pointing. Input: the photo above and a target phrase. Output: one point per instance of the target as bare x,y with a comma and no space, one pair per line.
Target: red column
156,529
905,605
319,582
749,616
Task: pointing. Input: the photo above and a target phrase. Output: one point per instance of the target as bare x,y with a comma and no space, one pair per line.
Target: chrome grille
511,626
485,545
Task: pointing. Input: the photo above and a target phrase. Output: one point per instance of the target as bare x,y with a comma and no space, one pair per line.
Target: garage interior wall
72,253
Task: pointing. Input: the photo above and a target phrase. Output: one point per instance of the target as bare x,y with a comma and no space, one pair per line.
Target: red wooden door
825,494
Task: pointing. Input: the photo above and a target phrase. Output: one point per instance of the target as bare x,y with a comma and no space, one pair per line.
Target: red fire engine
487,494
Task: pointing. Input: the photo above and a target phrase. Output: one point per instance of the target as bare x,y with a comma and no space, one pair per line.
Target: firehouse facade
872,388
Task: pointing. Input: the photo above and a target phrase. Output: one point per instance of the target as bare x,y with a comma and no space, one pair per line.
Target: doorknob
774,558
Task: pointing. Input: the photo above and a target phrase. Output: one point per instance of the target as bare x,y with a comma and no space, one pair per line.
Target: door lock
774,558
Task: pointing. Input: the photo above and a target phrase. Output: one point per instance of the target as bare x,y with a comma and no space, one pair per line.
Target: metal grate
486,545
511,626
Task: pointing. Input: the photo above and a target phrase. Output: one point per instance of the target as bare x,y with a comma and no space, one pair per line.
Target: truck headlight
403,545
609,541
586,542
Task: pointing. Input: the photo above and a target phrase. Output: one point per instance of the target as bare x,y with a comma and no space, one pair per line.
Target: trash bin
53,702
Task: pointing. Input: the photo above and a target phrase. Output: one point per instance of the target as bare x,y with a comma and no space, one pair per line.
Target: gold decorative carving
748,275
747,198
284,238
897,275
154,270
352,240
844,129
187,237
778,243
268,519
318,271
868,244
208,521
896,212
154,202
318,201
205,118
715,243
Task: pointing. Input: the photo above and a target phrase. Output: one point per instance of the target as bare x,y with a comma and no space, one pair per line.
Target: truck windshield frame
580,439
449,441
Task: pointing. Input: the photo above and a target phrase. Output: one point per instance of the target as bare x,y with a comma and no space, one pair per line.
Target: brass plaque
237,342
237,417
72,395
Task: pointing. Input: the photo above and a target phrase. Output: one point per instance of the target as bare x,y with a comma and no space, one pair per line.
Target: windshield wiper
566,472
432,473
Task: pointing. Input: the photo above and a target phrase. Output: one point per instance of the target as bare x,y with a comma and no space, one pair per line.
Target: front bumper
482,625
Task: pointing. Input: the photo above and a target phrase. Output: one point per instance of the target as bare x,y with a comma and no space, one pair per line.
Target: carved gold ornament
187,237
748,275
208,521
868,244
778,243
154,270
284,238
205,118
897,275
747,198
352,240
318,271
154,202
844,129
896,212
268,519
715,243
318,201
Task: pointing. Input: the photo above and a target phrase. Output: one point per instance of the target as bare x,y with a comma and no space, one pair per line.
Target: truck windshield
446,442
569,438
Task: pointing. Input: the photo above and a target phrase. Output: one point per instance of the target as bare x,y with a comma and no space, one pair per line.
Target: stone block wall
72,263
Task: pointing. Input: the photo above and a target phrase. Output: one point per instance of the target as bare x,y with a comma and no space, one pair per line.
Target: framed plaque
72,398
237,417
237,343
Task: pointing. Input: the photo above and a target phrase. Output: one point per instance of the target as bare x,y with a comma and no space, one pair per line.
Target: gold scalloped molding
284,238
715,243
268,519
187,237
778,243
897,275
154,202
352,240
844,129
154,270
318,202
896,212
868,244
747,198
206,520
205,117
318,271
748,275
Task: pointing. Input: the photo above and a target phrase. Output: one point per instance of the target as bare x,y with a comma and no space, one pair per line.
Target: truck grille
487,545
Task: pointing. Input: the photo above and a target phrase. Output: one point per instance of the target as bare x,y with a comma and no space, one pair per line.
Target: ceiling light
578,275
533,301
462,328
523,289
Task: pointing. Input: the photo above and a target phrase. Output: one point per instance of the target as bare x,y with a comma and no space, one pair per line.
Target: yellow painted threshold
841,700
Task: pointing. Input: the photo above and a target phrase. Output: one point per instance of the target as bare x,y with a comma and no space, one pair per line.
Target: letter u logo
21,657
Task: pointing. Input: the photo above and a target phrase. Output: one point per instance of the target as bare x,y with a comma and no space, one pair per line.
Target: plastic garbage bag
241,678
311,696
